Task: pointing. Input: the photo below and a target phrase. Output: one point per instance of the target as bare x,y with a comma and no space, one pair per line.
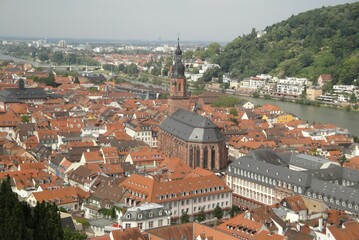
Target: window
128,225
150,224
160,223
139,225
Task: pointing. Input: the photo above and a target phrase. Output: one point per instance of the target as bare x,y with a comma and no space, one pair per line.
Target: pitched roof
61,196
128,234
152,189
190,126
241,226
349,230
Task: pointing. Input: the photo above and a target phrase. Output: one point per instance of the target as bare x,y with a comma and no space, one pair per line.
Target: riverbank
349,107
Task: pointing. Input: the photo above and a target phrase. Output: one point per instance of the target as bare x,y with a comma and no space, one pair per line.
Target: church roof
191,127
16,94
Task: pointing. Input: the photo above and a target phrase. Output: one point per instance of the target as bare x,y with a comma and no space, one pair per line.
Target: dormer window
139,216
128,216
150,214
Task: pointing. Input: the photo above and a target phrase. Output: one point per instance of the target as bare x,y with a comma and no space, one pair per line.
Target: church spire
178,68
178,51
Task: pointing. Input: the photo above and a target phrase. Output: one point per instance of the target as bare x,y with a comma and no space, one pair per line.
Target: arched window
205,158
213,157
190,156
198,156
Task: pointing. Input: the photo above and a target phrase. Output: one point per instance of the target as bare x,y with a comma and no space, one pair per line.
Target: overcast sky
203,20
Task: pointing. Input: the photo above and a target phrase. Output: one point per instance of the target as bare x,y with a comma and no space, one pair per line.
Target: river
340,118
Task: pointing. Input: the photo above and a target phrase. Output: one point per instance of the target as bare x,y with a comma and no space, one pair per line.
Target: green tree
218,212
131,69
353,98
188,55
47,222
121,67
25,118
156,71
57,57
213,50
184,217
214,72
342,159
234,120
201,216
327,87
73,235
226,101
43,56
349,70
234,210
163,95
233,111
108,67
77,80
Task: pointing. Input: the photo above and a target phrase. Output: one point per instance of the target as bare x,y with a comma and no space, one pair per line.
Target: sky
193,20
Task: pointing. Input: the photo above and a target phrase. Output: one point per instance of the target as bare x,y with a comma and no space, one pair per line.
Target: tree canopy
306,45
218,212
184,217
18,221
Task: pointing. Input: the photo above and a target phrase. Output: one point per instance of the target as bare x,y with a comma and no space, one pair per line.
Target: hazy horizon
157,20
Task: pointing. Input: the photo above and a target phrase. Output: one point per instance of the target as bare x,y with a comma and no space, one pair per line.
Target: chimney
320,227
298,227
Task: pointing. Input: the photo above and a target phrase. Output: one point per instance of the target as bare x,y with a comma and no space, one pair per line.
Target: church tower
179,97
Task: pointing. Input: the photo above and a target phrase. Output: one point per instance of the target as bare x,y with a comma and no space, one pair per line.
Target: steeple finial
178,50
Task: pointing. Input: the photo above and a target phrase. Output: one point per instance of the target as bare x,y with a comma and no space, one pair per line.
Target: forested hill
319,41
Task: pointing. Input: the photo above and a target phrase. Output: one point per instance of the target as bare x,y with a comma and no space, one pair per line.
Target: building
264,177
23,94
192,194
323,79
146,158
348,89
257,82
69,198
193,138
179,98
146,216
291,86
313,93
142,130
8,122
62,44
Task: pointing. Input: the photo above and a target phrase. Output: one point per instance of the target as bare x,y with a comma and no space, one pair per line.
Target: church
23,94
188,135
